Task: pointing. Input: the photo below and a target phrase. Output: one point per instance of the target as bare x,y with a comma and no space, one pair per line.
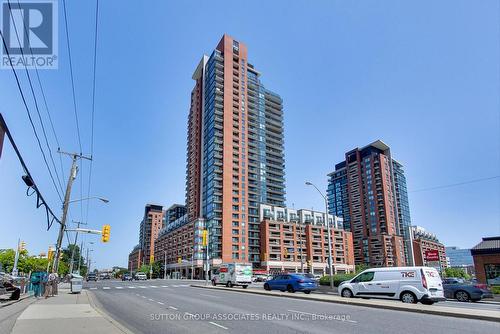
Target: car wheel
245,286
307,292
462,296
408,297
290,288
267,287
213,283
346,293
229,284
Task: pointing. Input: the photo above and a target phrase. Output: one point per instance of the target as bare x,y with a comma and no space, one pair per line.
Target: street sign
431,255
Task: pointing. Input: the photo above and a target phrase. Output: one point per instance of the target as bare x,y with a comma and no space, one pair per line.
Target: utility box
76,283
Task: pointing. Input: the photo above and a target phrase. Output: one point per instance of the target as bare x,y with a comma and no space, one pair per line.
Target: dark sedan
126,277
458,289
291,283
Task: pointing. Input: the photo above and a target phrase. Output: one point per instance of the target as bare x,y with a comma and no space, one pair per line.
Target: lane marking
173,308
164,286
106,288
131,287
151,300
175,286
137,294
153,286
320,315
143,296
119,287
202,294
93,288
160,303
184,285
142,287
216,324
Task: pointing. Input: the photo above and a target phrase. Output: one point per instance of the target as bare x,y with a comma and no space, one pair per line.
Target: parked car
231,274
408,284
126,277
259,278
291,283
459,289
312,276
141,276
92,277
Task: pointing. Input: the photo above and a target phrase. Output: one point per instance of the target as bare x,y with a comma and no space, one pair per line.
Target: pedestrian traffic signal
105,233
151,259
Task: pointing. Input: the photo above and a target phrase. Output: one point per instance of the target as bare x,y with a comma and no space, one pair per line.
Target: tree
456,272
144,269
7,259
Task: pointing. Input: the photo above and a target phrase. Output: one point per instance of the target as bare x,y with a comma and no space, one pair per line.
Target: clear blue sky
423,76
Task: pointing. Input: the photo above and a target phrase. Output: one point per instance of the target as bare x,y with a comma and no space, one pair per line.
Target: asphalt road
172,306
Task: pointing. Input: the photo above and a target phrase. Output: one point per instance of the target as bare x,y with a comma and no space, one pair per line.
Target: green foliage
495,290
144,268
7,259
456,272
361,267
337,279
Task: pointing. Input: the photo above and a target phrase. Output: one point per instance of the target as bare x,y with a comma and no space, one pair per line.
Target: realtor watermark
290,316
30,34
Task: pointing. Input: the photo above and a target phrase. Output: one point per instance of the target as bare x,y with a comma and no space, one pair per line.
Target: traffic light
151,258
105,233
22,246
205,238
50,254
179,260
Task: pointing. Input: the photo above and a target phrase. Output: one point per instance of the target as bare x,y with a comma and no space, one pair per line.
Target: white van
231,274
408,284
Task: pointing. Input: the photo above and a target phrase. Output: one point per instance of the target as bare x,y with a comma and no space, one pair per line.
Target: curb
354,302
10,302
106,316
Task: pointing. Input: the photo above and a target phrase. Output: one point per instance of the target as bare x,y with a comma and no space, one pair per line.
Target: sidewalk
63,314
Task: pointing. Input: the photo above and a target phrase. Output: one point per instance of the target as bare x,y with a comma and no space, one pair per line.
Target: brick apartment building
486,257
425,244
368,190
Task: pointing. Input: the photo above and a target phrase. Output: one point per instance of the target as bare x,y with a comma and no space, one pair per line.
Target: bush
337,279
495,290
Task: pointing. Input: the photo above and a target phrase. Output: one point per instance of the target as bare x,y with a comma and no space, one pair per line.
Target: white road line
173,308
131,287
175,286
164,286
184,285
202,294
216,324
320,315
106,288
137,294
143,296
118,287
151,300
142,287
160,303
153,286
93,288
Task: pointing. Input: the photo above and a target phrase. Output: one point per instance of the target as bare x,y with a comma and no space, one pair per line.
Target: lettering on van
408,274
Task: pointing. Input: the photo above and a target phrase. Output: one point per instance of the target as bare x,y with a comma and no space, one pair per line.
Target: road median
478,314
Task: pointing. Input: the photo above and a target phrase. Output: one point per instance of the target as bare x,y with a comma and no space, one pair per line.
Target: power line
456,184
29,116
72,77
34,97
93,107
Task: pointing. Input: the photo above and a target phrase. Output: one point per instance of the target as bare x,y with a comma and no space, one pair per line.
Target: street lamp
105,200
330,266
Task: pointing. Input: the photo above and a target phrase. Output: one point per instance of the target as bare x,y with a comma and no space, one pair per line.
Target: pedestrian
55,282
46,285
36,283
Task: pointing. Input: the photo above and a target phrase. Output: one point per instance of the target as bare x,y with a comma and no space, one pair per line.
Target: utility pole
73,250
16,259
165,264
80,258
72,177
